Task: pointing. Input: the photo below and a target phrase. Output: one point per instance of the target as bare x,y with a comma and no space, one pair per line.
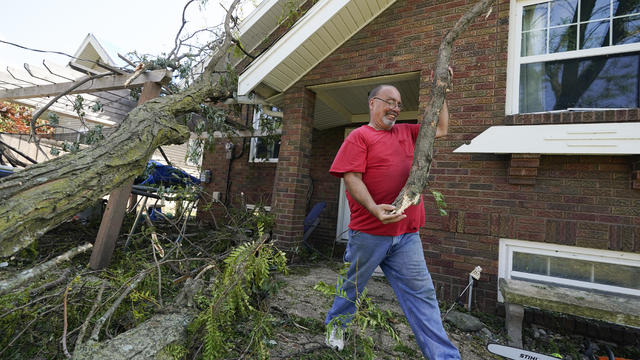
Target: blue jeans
402,260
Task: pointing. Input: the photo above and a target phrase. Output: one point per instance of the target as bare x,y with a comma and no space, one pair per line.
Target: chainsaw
515,353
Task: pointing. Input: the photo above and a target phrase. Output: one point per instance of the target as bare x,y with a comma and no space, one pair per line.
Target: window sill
574,116
263,161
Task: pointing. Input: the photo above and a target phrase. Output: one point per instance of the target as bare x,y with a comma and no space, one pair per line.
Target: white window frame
514,60
253,148
252,207
509,246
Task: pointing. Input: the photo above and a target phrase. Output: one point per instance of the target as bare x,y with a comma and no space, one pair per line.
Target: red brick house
549,188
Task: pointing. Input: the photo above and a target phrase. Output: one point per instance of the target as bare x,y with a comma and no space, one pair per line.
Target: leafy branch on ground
367,316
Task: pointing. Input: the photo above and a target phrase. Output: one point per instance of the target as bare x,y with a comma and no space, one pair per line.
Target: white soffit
261,22
324,28
565,139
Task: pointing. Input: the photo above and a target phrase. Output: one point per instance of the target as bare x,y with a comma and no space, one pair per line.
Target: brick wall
577,200
293,180
254,180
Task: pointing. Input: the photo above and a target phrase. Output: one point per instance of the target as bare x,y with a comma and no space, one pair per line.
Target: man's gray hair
376,90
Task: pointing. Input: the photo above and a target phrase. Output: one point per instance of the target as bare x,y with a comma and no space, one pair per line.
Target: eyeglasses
391,103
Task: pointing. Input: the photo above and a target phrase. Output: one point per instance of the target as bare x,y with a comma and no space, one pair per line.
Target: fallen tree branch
44,297
138,71
112,309
423,154
52,284
141,342
4,146
65,324
96,303
27,327
21,278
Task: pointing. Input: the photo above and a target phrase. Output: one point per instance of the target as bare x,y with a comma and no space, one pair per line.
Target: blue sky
148,26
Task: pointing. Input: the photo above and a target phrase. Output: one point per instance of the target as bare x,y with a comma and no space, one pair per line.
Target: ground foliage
235,261
245,310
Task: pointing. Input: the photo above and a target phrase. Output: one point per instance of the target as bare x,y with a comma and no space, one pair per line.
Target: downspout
231,158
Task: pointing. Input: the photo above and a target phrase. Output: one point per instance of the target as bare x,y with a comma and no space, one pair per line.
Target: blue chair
313,219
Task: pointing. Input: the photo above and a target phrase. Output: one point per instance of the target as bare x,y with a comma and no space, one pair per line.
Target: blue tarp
161,174
5,171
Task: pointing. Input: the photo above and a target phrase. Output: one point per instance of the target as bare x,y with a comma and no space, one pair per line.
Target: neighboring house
116,103
541,167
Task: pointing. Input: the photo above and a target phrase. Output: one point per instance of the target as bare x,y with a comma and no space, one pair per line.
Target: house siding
587,201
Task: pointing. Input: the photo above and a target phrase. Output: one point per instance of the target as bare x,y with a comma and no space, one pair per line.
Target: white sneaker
335,338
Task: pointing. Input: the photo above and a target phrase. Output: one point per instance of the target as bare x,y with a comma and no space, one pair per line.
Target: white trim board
269,68
564,139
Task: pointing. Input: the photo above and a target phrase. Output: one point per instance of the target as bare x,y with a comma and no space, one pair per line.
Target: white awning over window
565,139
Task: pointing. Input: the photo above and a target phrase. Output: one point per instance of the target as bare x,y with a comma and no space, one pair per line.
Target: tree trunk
36,199
145,341
423,153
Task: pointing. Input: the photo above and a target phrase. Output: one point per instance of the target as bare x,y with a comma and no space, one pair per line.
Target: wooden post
117,205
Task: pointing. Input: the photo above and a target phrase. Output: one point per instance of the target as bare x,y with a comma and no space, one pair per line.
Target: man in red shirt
374,161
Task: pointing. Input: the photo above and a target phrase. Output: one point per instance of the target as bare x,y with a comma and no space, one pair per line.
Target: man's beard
387,122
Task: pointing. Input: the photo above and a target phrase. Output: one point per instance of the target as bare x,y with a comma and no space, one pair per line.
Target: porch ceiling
324,28
345,103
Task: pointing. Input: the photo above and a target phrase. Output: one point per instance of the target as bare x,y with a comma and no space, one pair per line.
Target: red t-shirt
384,158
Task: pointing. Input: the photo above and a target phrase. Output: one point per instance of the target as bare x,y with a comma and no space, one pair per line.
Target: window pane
530,263
625,7
617,275
594,82
262,149
570,269
533,88
626,30
563,12
594,10
562,39
534,43
594,34
534,17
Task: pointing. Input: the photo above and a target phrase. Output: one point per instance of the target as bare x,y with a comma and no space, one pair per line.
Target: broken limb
65,323
112,309
423,154
8,285
96,303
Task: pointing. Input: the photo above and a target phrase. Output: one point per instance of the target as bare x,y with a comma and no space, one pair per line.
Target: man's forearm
358,190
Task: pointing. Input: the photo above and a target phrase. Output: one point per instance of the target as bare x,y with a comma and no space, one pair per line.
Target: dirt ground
302,310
